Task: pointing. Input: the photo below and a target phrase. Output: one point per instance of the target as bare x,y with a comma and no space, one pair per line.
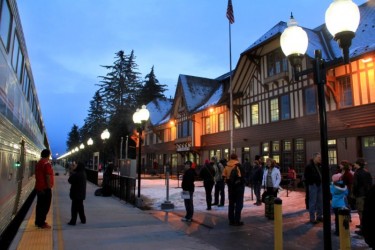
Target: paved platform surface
113,224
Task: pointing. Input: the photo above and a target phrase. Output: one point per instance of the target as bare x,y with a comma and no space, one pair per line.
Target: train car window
16,49
5,24
26,83
17,59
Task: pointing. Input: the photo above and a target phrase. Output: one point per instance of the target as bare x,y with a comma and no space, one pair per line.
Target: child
339,191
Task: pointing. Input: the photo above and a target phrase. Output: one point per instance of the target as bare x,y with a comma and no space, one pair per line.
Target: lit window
207,124
255,114
274,103
221,122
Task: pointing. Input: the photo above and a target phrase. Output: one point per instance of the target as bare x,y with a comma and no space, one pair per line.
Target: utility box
128,167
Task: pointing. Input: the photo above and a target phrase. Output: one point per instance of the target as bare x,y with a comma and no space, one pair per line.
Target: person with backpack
207,174
219,183
234,176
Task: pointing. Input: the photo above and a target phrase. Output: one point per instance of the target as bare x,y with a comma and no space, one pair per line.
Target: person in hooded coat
77,193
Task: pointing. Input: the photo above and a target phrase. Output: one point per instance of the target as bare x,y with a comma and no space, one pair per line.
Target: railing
123,187
92,176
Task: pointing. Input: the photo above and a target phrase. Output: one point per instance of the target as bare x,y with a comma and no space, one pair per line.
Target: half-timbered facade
276,115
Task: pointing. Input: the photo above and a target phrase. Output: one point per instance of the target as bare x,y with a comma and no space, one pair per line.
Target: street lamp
89,143
342,18
139,118
105,136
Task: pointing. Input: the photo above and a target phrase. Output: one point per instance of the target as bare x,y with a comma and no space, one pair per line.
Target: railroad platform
113,224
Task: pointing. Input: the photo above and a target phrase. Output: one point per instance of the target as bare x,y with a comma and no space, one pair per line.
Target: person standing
219,183
236,190
338,191
271,178
361,185
207,174
313,179
248,172
257,179
44,181
188,185
77,193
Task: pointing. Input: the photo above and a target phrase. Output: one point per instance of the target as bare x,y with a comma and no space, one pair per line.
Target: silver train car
22,131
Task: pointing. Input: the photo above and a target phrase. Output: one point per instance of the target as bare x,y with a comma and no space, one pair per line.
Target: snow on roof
214,99
159,109
197,90
319,38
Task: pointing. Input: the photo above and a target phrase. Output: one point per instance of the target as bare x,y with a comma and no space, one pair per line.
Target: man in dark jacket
77,193
313,179
207,174
188,185
361,185
257,179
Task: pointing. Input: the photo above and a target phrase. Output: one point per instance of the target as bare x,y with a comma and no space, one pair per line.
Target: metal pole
230,91
319,77
139,160
126,147
122,139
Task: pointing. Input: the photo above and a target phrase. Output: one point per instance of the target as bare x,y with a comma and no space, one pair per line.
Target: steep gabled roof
320,38
214,99
197,90
159,110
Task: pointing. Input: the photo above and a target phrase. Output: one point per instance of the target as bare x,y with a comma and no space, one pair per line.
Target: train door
19,165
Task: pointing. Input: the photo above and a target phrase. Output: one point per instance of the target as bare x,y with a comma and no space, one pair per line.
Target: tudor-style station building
274,114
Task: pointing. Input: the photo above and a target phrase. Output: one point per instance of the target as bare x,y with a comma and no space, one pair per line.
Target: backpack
234,178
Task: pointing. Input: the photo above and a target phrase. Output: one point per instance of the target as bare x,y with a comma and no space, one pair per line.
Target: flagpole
230,90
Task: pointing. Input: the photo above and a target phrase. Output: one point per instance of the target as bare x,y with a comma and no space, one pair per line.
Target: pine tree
73,138
151,89
95,122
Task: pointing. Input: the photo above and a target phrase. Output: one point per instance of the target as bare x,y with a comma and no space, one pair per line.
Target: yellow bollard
344,229
278,214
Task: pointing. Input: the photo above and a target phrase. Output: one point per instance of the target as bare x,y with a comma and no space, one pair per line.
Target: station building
274,114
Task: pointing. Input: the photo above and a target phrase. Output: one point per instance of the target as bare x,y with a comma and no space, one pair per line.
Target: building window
207,125
265,148
276,63
332,152
184,129
299,155
346,93
369,141
274,105
26,84
5,24
221,122
285,107
236,121
255,114
167,136
310,101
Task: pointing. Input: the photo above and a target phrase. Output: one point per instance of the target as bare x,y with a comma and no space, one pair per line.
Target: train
22,132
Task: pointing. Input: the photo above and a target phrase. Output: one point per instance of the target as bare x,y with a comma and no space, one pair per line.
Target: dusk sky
69,40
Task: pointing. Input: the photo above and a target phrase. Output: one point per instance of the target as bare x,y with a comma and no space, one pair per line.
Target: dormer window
276,63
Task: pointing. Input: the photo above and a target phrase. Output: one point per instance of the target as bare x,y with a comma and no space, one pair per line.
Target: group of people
350,189
44,181
216,174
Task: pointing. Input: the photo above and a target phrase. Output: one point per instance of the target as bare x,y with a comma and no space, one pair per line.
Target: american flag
230,15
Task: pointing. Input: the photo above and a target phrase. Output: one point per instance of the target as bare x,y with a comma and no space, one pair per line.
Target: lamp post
89,143
105,136
342,19
140,117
